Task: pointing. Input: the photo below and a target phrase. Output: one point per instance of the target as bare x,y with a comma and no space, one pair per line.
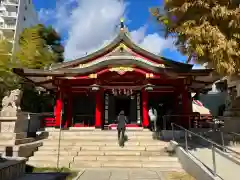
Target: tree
53,40
7,77
39,47
205,30
8,80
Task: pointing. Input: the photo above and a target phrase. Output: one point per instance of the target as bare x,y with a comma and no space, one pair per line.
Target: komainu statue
11,103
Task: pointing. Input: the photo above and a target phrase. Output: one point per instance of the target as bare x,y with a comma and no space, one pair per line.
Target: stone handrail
12,168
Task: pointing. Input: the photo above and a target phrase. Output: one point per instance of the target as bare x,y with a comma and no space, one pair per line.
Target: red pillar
145,121
186,101
69,110
98,111
186,106
58,108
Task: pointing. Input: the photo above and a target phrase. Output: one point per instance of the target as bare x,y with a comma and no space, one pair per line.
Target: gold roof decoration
123,46
121,69
92,76
82,65
149,75
161,65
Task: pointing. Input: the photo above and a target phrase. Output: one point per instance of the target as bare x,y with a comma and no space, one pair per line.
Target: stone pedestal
15,124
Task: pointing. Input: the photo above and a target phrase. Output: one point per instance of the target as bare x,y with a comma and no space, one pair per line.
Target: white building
15,15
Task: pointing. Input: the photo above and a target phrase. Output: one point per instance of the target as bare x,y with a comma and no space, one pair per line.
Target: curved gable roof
122,38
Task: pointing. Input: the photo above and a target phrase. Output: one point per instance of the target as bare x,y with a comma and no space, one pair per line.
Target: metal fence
192,140
180,119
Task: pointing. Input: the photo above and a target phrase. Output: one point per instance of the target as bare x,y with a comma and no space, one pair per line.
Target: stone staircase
94,149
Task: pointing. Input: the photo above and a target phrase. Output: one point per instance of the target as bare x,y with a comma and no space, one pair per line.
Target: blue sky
86,25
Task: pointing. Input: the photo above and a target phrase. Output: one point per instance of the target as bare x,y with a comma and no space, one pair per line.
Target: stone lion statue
11,103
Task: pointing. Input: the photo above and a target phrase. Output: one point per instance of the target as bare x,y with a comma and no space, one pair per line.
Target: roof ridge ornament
122,26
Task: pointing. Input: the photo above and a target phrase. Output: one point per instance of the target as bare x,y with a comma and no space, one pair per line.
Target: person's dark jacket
122,120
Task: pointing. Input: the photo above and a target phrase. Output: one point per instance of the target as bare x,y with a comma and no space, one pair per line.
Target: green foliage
33,51
8,80
205,30
53,40
39,47
36,102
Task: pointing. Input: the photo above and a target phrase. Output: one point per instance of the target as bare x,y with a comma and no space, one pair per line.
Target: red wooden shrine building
121,76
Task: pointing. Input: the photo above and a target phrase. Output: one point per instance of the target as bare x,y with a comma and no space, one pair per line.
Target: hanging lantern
95,87
128,92
125,92
149,87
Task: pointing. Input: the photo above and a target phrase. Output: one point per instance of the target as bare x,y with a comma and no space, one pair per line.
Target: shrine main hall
92,90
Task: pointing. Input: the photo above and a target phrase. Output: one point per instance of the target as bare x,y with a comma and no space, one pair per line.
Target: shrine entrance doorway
116,103
122,104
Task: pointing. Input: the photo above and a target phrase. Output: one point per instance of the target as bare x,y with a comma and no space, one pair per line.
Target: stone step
102,153
50,149
96,131
62,148
99,138
51,158
124,164
77,142
120,153
42,164
15,141
62,153
75,132
126,158
168,166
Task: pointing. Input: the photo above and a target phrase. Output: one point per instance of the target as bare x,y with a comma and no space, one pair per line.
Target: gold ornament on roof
49,77
123,46
121,70
161,65
92,76
82,65
149,75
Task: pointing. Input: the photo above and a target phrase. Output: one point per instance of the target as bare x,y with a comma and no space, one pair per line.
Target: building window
29,1
24,19
26,7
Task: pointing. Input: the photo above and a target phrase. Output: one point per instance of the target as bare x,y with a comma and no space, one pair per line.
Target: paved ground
112,174
122,174
225,168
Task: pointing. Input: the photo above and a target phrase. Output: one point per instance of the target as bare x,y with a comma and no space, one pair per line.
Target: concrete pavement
122,174
225,168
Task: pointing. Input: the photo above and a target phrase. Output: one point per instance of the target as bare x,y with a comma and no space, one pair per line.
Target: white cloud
90,24
151,42
45,14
